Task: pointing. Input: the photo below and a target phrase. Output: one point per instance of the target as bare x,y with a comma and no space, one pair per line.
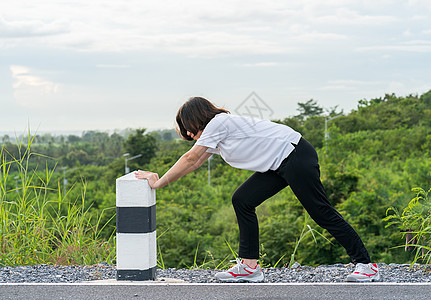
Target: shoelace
361,268
236,266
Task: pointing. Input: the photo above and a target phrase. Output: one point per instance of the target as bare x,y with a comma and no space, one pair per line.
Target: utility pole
327,119
126,159
209,170
65,179
16,183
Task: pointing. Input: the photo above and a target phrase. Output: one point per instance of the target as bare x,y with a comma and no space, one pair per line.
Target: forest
57,202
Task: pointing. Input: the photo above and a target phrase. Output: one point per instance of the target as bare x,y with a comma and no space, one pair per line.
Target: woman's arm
187,163
201,160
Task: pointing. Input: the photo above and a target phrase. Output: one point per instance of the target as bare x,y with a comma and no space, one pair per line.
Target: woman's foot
241,272
365,273
252,263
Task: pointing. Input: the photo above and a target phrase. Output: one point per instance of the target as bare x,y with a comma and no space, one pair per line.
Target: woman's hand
187,163
150,176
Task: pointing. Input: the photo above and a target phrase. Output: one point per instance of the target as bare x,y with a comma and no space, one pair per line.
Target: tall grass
414,221
39,224
306,230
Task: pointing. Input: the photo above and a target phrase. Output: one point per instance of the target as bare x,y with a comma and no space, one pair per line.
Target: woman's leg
301,171
255,190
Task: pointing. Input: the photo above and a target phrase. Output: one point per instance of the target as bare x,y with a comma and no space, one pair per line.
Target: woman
280,157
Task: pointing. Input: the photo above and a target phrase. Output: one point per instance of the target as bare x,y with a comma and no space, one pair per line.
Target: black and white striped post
136,229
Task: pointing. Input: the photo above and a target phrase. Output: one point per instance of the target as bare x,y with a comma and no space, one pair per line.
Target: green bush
414,221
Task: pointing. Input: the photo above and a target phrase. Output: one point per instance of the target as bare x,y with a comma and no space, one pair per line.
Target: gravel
299,274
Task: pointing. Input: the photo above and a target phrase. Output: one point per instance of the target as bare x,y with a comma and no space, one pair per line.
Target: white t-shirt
249,143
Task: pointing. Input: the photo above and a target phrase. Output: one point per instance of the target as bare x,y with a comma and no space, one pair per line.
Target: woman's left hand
150,176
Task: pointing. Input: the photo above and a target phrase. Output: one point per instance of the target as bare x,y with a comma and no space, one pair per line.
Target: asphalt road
215,291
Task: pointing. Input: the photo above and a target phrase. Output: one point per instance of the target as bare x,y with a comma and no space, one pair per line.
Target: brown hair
194,115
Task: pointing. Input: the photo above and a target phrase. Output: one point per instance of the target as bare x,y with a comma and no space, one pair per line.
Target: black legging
300,170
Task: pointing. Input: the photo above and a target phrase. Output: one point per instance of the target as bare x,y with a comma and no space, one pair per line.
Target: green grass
306,230
39,224
415,219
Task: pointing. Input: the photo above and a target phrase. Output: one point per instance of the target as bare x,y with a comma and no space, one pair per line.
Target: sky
108,65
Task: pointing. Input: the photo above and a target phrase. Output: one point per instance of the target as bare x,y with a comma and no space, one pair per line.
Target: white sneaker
241,272
364,273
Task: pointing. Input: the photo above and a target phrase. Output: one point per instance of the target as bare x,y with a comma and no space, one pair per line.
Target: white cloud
413,46
354,82
336,87
346,16
407,33
189,27
350,85
114,56
210,44
417,42
424,4
111,66
30,28
30,90
262,64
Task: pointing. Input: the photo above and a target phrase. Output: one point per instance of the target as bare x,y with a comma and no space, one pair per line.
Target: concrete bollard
136,229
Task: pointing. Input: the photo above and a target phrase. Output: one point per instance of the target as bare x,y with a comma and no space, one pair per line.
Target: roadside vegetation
57,193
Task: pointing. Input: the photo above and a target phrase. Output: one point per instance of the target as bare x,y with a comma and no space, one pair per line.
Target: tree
79,157
141,143
73,138
332,111
115,146
309,122
309,109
